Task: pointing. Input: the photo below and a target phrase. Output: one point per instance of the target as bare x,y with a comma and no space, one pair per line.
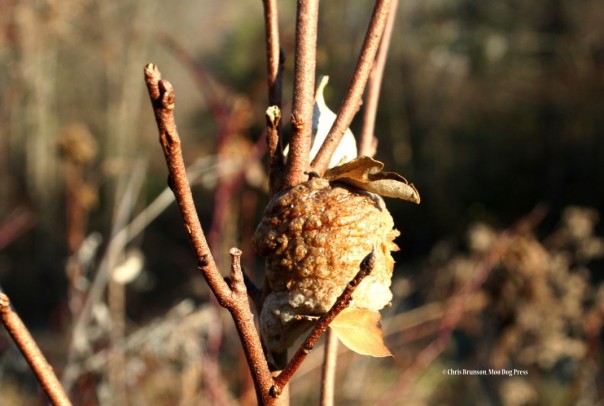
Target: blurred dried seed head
314,237
77,145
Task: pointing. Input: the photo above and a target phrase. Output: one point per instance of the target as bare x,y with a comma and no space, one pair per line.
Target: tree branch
367,265
30,350
368,142
351,102
234,300
304,86
274,57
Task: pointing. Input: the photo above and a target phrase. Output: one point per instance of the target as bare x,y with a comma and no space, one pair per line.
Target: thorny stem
28,347
235,301
304,86
368,142
274,57
342,302
328,372
352,100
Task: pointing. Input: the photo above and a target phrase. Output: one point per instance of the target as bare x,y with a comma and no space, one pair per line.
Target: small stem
304,86
237,280
235,301
328,372
30,350
352,101
367,265
274,60
368,142
275,154
162,97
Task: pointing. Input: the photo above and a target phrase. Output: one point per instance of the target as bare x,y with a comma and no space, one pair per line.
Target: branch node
275,391
4,303
203,260
298,124
237,283
273,116
167,94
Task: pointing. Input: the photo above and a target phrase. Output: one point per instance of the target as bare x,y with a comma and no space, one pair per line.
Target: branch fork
231,292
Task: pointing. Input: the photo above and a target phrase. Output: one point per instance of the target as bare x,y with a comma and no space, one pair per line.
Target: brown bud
314,237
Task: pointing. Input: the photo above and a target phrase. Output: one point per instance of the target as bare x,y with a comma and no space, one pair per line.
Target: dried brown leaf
366,173
360,331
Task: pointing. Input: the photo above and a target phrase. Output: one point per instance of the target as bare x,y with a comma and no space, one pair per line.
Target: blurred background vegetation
491,108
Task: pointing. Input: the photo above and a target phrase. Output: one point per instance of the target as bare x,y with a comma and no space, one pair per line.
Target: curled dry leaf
322,121
366,173
359,330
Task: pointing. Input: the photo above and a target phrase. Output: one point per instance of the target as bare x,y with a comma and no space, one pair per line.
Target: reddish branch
274,61
17,223
352,100
28,347
368,142
274,58
322,324
234,297
304,86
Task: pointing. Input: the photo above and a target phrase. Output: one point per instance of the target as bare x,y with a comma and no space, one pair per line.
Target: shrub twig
30,350
274,57
352,100
328,371
307,19
342,302
234,300
368,141
276,162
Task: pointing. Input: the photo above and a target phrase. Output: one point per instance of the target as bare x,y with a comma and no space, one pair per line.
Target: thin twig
368,142
30,350
304,87
367,265
352,100
274,59
328,371
162,99
18,222
275,154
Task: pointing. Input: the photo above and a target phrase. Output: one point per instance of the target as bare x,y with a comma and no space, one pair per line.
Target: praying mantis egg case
314,237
